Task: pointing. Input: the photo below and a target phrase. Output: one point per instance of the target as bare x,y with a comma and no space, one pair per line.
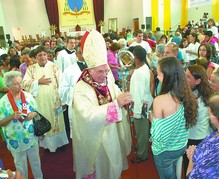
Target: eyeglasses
17,84
102,72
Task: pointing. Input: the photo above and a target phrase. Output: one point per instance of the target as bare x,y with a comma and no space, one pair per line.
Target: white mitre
94,49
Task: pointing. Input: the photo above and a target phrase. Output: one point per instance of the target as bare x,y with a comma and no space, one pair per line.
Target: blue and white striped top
170,133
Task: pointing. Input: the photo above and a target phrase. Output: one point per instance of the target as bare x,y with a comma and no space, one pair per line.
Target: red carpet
59,165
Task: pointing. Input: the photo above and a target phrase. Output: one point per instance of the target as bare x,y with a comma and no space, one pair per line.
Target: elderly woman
203,159
16,114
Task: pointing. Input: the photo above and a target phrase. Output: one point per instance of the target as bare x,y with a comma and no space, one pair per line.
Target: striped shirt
169,134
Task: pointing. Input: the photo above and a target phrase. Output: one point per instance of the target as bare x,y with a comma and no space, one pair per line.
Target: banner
76,12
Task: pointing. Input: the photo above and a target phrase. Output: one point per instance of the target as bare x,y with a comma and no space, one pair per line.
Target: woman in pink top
113,61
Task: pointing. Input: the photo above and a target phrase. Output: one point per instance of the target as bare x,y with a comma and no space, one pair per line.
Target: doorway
136,24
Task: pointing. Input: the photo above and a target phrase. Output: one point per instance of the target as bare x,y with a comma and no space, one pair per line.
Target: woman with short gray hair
17,109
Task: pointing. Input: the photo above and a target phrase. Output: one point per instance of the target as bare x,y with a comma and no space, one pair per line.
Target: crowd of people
171,98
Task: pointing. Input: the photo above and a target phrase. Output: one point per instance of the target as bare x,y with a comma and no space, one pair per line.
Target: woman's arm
191,52
113,66
152,86
7,120
190,167
190,152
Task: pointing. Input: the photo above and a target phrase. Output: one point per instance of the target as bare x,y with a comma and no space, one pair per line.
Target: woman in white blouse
212,27
192,49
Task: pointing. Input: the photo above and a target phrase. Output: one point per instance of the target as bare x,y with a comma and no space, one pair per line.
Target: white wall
176,13
138,12
32,16
120,9
196,13
24,17
2,20
10,17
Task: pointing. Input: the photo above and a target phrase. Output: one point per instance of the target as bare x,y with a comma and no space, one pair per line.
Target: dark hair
164,37
10,49
44,42
203,62
181,42
213,50
194,35
140,53
51,52
175,82
1,63
208,33
204,89
106,35
213,104
208,49
15,61
58,49
158,29
131,49
69,38
109,40
3,57
212,20
139,31
114,46
32,54
40,49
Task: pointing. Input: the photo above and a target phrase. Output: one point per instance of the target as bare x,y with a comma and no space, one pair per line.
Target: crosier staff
124,89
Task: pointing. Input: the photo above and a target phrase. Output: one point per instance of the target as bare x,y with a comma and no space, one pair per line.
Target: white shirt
214,31
202,128
140,89
144,44
193,48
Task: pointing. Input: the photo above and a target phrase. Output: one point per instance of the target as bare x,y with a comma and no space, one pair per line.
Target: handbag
41,125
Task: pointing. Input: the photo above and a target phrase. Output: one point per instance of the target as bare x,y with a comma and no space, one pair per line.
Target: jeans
166,163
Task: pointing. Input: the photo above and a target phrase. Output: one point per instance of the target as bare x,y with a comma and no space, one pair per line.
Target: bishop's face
99,73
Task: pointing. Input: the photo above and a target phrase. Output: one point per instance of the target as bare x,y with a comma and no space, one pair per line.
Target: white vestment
98,146
49,102
70,77
64,59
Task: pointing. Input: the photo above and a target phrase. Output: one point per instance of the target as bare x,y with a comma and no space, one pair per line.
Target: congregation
165,87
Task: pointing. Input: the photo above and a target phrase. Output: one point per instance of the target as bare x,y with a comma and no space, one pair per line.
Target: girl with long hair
198,82
169,130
